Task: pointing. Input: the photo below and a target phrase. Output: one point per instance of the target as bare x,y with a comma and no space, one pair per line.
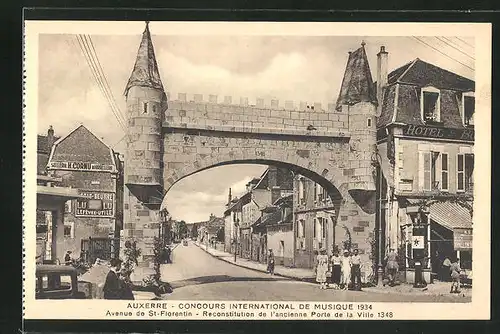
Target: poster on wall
97,204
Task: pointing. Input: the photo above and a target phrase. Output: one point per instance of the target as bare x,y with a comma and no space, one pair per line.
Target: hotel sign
80,166
426,131
97,204
462,238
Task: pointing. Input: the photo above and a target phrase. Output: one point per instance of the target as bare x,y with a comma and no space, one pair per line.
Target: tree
220,234
183,229
194,231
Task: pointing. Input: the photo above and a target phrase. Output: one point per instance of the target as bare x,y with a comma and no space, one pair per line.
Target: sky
297,68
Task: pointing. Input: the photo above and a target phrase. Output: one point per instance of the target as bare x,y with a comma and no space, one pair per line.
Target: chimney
229,197
50,138
381,73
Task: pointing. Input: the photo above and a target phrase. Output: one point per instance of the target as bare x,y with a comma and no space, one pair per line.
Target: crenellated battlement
257,102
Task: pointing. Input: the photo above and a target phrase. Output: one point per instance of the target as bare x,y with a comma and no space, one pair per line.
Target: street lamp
376,158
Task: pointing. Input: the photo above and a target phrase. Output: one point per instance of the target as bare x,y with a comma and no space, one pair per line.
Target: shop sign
418,242
80,166
426,131
462,238
419,236
97,204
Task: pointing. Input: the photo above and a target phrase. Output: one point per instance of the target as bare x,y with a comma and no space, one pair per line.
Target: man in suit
113,287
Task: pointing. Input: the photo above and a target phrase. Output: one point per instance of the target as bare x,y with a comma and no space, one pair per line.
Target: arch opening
335,192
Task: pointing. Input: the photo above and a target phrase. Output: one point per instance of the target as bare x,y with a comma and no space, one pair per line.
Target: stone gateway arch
168,140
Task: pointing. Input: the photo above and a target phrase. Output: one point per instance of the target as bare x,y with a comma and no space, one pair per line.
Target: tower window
154,108
369,122
145,108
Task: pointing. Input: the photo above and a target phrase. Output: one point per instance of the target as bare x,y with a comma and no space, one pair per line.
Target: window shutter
425,171
314,228
460,172
444,171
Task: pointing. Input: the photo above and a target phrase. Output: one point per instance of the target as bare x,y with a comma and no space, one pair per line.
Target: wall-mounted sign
97,204
462,239
418,242
426,131
80,166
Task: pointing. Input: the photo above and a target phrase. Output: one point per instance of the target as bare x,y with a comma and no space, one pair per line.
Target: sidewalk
435,289
292,273
299,274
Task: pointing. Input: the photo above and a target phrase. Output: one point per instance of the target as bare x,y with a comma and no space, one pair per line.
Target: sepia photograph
221,165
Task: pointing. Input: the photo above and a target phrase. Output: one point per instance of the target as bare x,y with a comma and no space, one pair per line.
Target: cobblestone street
197,275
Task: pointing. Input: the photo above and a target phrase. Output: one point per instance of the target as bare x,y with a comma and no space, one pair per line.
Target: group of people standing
340,271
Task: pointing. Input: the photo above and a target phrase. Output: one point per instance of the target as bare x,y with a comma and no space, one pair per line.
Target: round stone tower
146,104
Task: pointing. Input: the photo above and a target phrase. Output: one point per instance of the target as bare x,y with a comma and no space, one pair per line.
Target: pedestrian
67,258
455,276
445,269
322,268
346,270
270,262
315,261
356,271
112,286
391,266
125,285
336,263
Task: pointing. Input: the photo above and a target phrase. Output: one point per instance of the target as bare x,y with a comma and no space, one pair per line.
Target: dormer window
430,104
468,108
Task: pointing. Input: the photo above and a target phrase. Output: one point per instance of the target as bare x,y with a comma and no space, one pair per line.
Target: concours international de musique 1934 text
250,310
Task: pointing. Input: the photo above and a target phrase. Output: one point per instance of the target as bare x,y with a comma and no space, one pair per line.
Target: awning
385,165
450,215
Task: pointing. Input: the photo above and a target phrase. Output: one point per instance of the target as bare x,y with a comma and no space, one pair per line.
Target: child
455,276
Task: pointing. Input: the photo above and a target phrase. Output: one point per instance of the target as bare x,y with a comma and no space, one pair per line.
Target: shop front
434,233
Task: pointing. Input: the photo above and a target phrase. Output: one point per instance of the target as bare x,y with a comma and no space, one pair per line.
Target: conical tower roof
145,72
357,85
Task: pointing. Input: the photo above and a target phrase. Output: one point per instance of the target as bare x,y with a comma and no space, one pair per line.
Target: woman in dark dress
270,262
336,263
114,287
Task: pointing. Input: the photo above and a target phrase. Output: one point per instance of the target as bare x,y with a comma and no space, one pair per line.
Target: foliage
154,280
220,234
180,229
80,265
194,231
373,256
347,243
131,253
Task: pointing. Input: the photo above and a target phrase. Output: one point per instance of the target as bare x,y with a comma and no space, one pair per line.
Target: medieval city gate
172,139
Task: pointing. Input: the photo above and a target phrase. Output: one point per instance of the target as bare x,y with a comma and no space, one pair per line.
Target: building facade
92,223
425,139
315,221
277,221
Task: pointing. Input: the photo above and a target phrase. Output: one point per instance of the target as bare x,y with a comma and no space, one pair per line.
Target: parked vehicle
57,282
184,242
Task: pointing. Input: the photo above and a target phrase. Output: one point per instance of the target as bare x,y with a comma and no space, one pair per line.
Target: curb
407,293
306,280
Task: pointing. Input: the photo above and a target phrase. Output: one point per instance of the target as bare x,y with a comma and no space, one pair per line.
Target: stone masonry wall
141,224
259,118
